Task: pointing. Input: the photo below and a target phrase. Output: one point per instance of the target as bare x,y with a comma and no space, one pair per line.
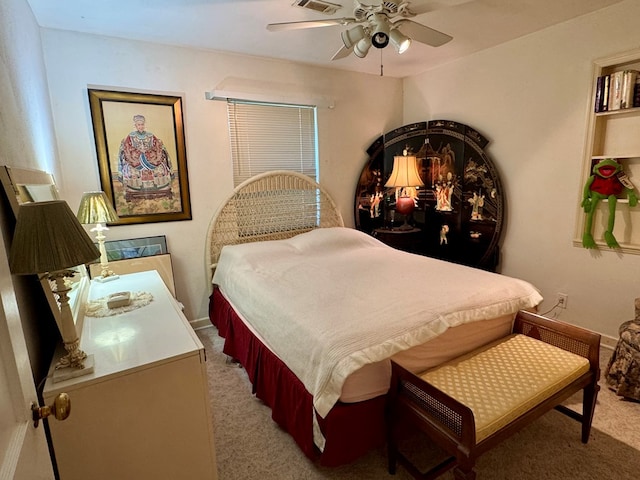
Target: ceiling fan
376,25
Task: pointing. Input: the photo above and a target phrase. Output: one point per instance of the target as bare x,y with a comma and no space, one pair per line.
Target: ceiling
240,26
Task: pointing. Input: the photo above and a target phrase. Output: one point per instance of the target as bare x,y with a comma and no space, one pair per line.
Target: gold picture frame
141,152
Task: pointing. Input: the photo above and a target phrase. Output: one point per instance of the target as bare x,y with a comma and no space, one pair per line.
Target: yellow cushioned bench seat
505,379
470,404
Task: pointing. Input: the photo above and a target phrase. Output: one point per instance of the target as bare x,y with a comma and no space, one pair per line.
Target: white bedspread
331,300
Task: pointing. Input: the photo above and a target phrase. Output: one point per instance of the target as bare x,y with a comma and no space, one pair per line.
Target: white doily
98,307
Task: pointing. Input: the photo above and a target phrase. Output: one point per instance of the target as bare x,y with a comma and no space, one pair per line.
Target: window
269,136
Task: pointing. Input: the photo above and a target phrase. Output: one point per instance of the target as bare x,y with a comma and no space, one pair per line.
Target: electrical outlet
563,298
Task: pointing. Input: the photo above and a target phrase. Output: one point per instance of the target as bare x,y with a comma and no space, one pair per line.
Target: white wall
27,140
26,130
531,98
75,61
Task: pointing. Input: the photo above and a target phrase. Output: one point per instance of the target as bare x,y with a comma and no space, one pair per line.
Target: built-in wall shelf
623,111
612,134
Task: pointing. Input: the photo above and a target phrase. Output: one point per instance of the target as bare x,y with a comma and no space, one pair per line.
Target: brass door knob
60,409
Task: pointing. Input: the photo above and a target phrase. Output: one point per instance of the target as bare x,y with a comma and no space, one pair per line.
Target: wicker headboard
270,206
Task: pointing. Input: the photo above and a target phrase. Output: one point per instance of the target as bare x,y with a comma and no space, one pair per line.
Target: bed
314,311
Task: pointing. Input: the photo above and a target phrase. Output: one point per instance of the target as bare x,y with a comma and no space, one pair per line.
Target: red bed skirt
350,429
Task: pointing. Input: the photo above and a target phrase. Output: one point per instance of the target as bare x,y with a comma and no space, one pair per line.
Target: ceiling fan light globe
404,46
400,41
380,27
380,39
361,48
352,36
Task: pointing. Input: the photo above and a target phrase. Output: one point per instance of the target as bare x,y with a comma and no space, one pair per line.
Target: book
605,93
615,90
628,88
636,95
599,94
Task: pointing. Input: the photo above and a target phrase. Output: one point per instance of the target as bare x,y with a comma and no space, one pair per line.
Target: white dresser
144,412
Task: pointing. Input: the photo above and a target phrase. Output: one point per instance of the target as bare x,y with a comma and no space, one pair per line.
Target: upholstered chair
623,372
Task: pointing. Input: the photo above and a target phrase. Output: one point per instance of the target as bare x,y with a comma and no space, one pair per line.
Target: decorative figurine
374,209
443,235
444,193
608,181
477,202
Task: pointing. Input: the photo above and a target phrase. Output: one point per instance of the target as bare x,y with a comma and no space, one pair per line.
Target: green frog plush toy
608,181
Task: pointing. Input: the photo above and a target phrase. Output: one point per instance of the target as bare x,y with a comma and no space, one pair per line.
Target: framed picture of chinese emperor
141,155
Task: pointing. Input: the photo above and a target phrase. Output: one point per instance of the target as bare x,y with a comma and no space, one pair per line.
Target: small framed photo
141,153
135,248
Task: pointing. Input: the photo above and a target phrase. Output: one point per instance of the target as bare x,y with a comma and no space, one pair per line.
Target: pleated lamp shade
404,173
96,208
48,237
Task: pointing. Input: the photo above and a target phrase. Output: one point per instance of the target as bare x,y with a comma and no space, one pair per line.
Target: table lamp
96,208
404,174
49,240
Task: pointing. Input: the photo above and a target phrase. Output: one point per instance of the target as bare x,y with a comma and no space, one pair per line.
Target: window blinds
267,136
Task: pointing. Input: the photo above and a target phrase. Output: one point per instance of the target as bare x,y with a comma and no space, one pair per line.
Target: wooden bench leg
589,397
392,457
464,470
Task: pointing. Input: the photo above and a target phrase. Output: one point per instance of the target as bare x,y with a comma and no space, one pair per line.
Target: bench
470,404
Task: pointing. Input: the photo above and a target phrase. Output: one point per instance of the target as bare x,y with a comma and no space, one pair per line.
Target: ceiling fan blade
277,27
422,33
432,5
342,53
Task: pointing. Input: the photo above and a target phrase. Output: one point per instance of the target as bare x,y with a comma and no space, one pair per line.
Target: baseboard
200,323
608,342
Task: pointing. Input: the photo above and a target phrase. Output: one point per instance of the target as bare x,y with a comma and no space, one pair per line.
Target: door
23,449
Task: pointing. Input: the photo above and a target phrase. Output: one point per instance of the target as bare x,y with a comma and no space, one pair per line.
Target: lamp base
103,279
66,373
404,227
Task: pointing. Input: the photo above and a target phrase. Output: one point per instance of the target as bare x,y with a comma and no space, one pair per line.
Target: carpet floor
249,445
